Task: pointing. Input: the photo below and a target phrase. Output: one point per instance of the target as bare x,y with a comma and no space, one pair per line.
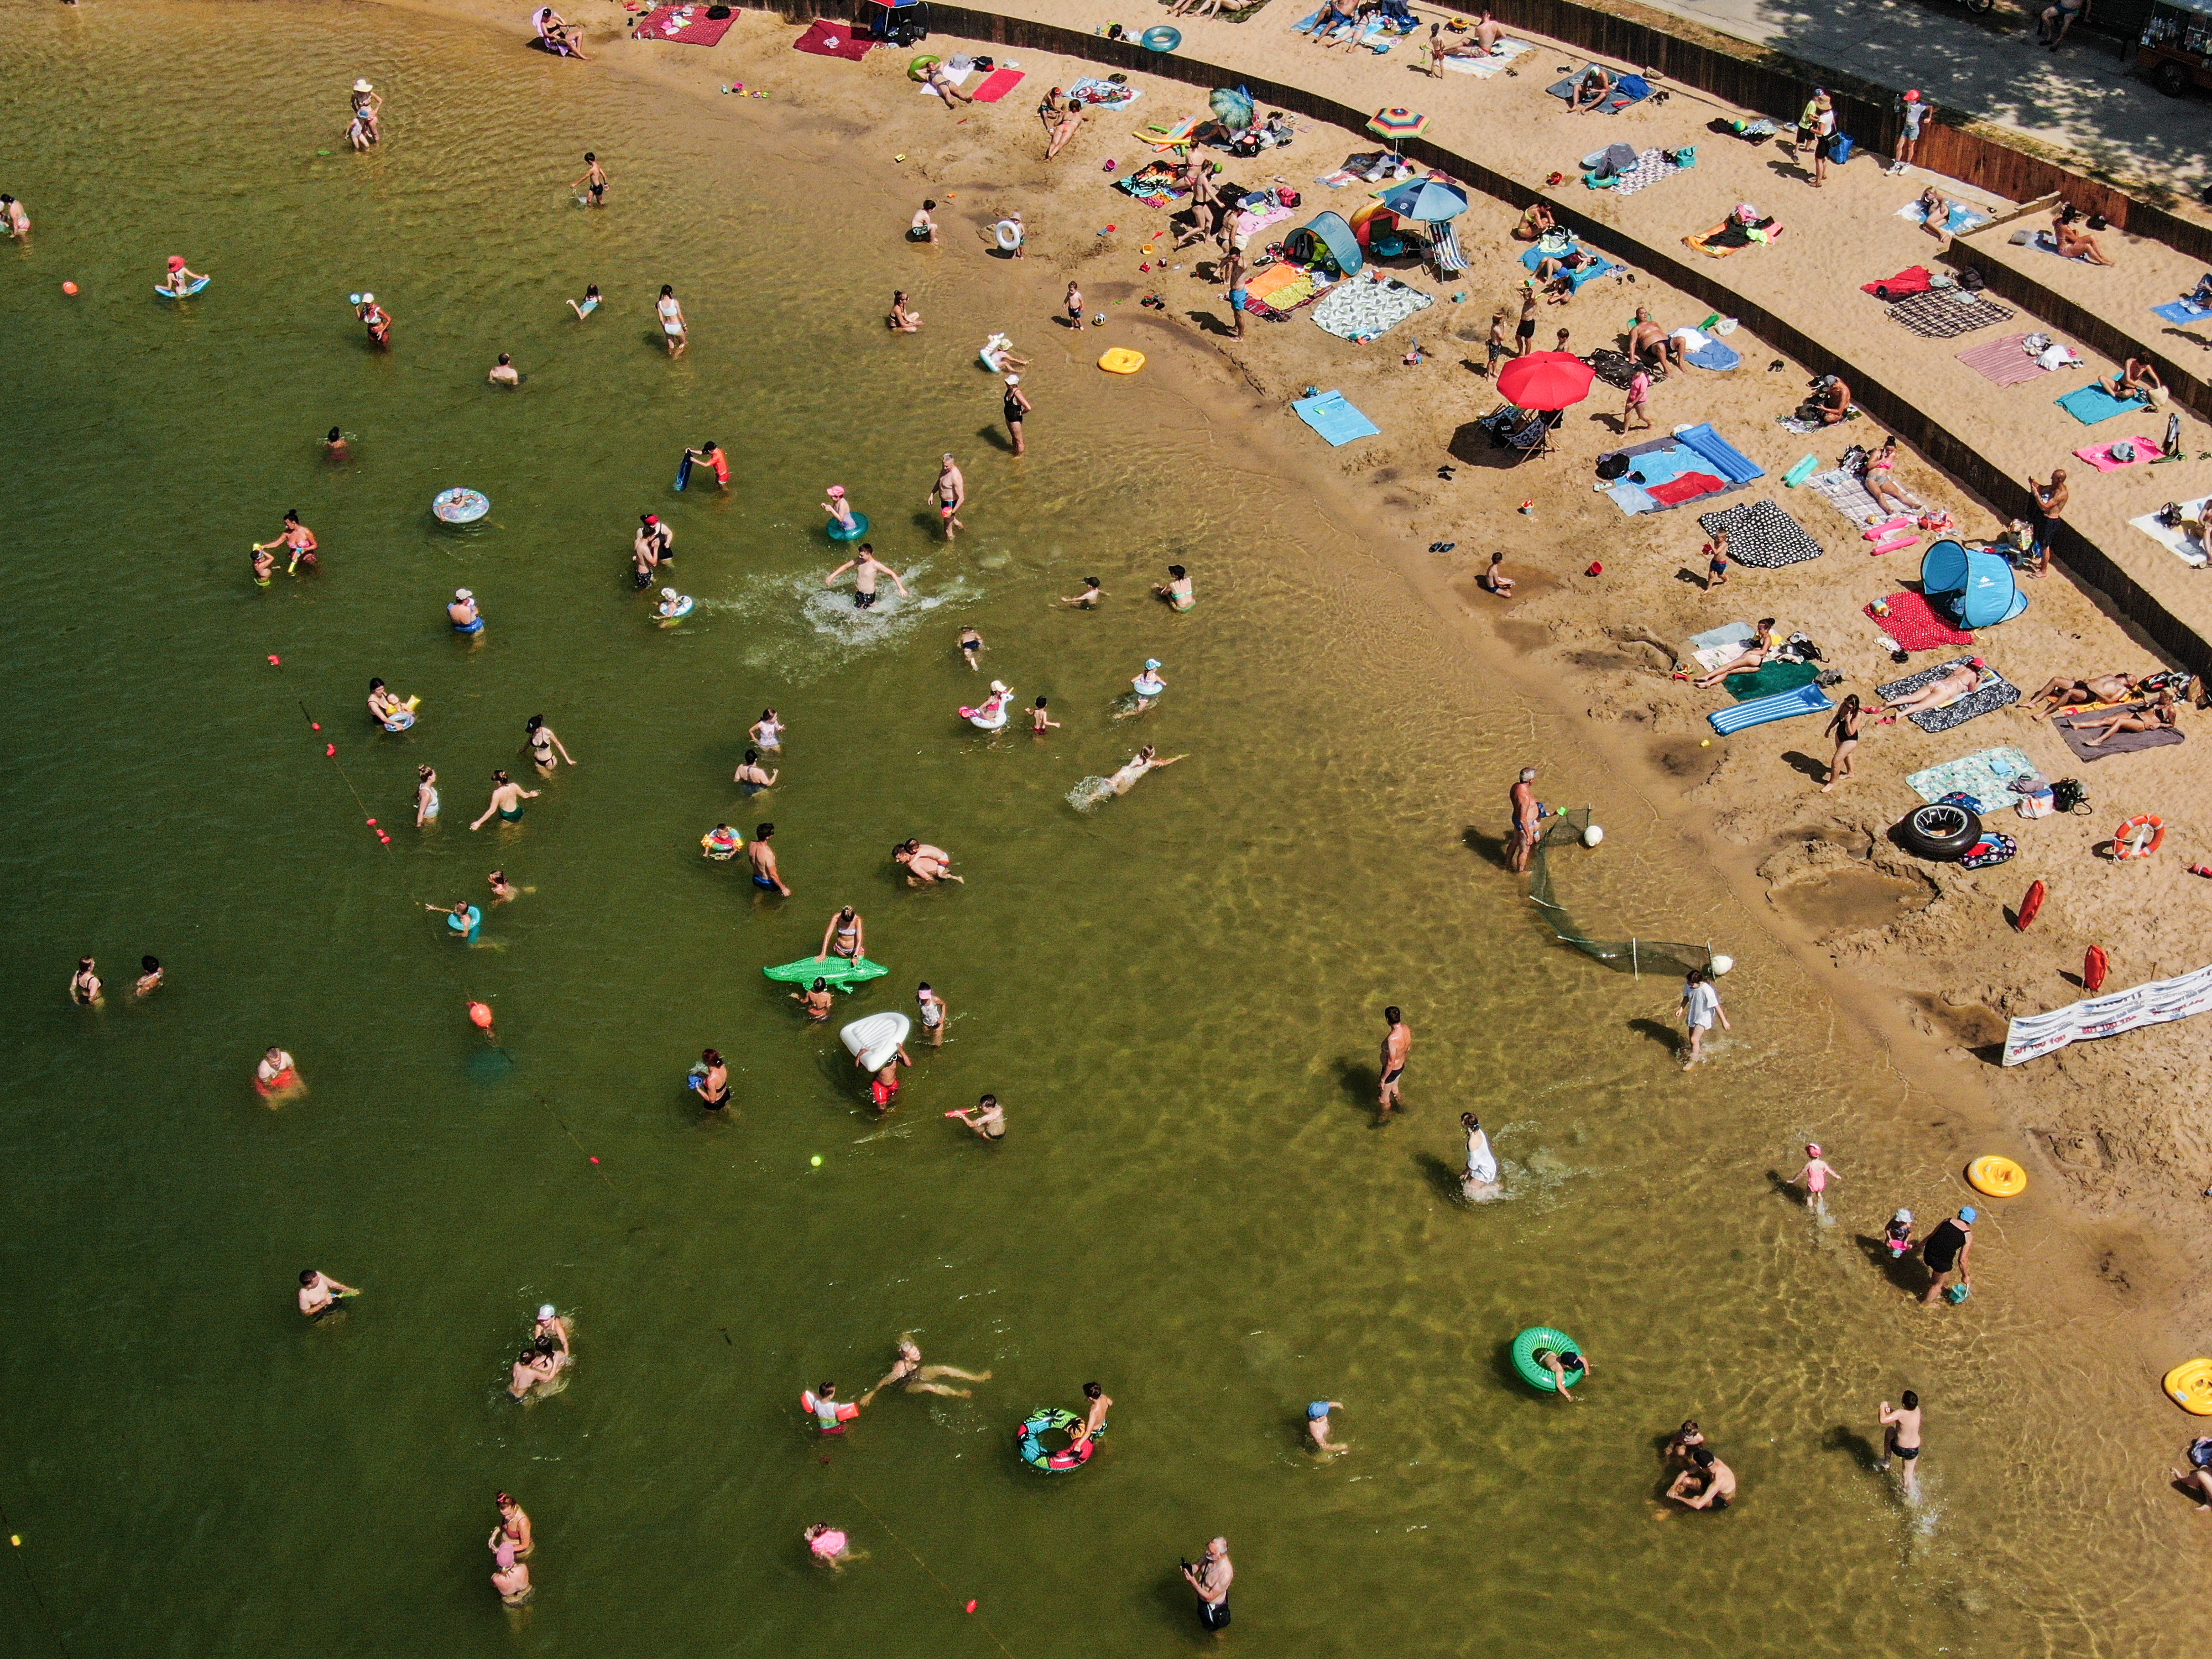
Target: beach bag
1839,149
1613,466
2036,803
2068,796
1287,197
2170,515
1972,280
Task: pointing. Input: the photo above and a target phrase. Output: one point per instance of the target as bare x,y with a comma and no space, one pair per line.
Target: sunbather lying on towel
1557,276
1650,344
1969,677
1881,480
1936,213
1333,13
1593,85
2164,714
1765,644
2059,693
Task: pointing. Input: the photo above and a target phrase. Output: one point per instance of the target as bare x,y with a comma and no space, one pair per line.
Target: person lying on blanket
1936,212
2137,379
1881,481
1765,644
1968,678
1537,222
1650,344
1557,276
1592,84
2164,715
2061,693
1332,14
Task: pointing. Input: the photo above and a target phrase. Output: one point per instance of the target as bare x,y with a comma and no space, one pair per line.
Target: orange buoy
2095,964
2032,905
69,288
480,1014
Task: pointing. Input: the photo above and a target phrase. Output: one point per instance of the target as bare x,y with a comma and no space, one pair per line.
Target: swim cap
1813,1150
1319,1408
547,1311
463,594
1969,1215
176,261
1152,662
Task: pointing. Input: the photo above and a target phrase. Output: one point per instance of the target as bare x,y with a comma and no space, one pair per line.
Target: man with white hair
1209,1577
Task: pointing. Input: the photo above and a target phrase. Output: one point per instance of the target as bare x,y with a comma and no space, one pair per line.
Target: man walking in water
1527,819
1397,1043
1210,1577
866,569
1901,1439
764,859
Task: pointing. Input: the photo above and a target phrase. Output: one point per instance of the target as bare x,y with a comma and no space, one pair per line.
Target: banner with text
2151,1004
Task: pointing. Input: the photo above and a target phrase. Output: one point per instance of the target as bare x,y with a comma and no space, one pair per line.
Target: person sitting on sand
2163,714
1882,484
1537,222
2138,379
2117,686
1493,579
1332,14
1592,84
1557,275
903,319
1765,647
1650,344
2080,241
1832,406
1953,684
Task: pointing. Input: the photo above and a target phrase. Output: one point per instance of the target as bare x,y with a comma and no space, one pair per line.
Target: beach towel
2100,456
1503,54
1360,311
2046,241
1597,267
2092,404
1962,217
1943,314
2181,311
1985,774
687,25
1996,694
1714,354
2002,361
1807,699
1914,625
2186,548
1727,640
1913,279
1626,89
1650,167
1328,414
1731,235
827,38
1104,95
957,77
1768,678
1687,487
1842,489
1248,225
2120,742
1158,190
997,85
1617,370
1761,535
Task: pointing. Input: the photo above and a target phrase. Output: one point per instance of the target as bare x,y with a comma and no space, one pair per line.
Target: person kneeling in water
986,1117
1708,1484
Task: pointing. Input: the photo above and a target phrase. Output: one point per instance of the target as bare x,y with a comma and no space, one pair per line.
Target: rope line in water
31,1579
950,1592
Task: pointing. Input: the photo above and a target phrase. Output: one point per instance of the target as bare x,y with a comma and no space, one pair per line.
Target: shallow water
1177,995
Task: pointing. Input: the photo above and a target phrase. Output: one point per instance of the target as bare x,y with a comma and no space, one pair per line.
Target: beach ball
1593,835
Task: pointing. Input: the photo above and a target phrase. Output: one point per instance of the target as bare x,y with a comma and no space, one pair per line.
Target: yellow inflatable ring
2189,1383
2000,1177
1122,361
918,69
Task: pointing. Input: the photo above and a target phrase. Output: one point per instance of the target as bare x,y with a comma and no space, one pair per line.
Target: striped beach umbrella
1398,123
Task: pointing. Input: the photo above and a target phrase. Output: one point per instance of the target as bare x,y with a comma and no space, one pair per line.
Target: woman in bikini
2162,715
1844,729
1761,651
1882,482
713,1083
846,936
910,1374
1065,126
543,742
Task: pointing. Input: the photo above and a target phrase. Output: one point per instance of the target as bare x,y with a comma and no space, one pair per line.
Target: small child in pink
1814,1177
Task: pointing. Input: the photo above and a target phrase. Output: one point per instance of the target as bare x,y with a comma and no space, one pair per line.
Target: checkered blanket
1940,316
1761,535
1844,491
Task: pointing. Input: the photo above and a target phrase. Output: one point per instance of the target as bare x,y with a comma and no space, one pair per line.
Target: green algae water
1177,995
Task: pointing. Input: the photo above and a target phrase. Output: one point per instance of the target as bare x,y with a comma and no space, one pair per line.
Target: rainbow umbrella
1545,380
1398,123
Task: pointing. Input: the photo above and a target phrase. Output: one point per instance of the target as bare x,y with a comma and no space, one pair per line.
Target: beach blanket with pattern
1155,186
1946,312
1844,491
1916,625
689,25
1360,311
1103,94
1986,774
1998,693
1650,167
1617,370
1496,63
1761,535
1732,235
2003,361
1280,287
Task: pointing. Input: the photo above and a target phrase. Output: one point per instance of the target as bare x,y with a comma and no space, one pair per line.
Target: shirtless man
297,537
925,864
1094,1425
754,775
320,1293
817,1000
1901,1438
1954,683
1144,760
594,183
1397,1044
1650,343
1317,1426
535,1366
1493,579
1089,598
915,1378
764,859
1528,821
507,799
504,372
986,1117
867,570
653,543
1835,404
2116,686
1714,1482
949,495
1210,1578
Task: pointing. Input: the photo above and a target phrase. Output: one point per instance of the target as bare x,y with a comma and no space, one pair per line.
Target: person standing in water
426,796
818,999
1397,1045
1317,1426
507,799
867,569
84,984
1094,1424
277,1076
1948,1249
1040,721
764,861
594,183
672,321
1701,1006
986,1117
1901,1439
1209,1577
1479,1181
504,372
1814,1178
971,647
461,611
713,1085
768,731
935,1011
543,741
376,319
1528,821
753,776
18,222
846,936
320,1294
950,494
150,976
336,449
1016,407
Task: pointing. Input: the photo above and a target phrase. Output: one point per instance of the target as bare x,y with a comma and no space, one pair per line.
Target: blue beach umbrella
1427,201
1232,107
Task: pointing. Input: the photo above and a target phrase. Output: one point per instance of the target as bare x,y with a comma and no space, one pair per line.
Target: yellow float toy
2190,1384
1122,361
2000,1177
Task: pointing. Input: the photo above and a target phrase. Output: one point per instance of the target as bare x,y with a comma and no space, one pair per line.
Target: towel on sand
1847,493
1914,625
1946,312
997,85
1714,354
2092,404
2186,548
1962,217
2120,742
1996,692
827,38
2181,311
1506,51
1769,678
2004,361
689,25
1761,535
1732,235
1984,775
1328,414
1626,89
2100,456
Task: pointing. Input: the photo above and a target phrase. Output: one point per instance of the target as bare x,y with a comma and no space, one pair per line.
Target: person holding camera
1209,1577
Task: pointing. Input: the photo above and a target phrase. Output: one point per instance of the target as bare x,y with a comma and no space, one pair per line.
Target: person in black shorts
1209,1577
1948,1249
1525,335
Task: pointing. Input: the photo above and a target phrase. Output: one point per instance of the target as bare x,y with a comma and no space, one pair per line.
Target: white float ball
1593,835
1722,965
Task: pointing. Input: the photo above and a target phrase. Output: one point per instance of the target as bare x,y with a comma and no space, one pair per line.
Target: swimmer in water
84,984
971,647
510,1578
762,855
1142,761
1089,598
425,795
846,936
552,1325
320,1294
537,1365
296,538
150,976
18,222
828,1545
818,999
464,919
504,372
543,742
949,495
767,731
1559,1364
181,276
986,1118
1175,592
720,843
507,799
276,1076
867,570
335,448
1708,1484
713,1085
755,776
1146,688
502,890
1479,1181
1040,721
388,709
841,512
925,864
462,613
590,303
1317,1426
915,1378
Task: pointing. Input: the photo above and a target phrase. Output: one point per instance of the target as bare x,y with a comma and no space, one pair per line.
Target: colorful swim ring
1524,1357
461,506
1046,1419
193,288
1160,39
2189,1386
2139,837
1122,361
682,610
991,717
2000,1177
918,69
401,720
839,533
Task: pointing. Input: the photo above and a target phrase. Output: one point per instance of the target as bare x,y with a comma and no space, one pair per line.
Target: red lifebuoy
2032,905
2139,837
2095,964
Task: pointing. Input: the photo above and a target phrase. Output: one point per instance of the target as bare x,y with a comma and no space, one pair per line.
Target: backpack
2068,795
1970,280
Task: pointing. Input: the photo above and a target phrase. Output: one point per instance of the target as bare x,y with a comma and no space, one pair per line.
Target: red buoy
2095,964
2030,906
480,1014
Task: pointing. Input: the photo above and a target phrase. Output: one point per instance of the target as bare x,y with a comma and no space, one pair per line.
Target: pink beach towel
2101,457
2002,361
1915,626
688,24
829,38
997,84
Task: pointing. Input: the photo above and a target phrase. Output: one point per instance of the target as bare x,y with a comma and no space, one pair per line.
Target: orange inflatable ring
2139,837
1999,1177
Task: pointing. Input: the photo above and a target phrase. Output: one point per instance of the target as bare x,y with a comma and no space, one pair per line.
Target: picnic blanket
1942,314
1761,535
1986,774
1281,286
2003,361
1626,89
1503,54
1996,694
1155,186
2181,311
2094,403
1328,414
1648,169
1768,678
1844,490
1962,217
1914,625
2100,456
997,85
1361,311
1104,95
1807,699
687,25
1732,235
827,38
2186,548
2120,742
1617,370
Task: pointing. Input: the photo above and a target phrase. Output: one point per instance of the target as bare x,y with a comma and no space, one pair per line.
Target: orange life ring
2128,841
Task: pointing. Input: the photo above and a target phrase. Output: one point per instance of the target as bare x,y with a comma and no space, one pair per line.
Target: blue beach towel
1328,414
2181,311
1626,89
1597,267
1714,354
2092,404
1784,705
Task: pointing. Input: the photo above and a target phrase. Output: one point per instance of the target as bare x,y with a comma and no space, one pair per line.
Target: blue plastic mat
1725,458
2092,404
1336,420
1784,705
2181,311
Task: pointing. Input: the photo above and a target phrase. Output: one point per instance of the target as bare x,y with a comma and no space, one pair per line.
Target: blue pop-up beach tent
1975,588
1327,234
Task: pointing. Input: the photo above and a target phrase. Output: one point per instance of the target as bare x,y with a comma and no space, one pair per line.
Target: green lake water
1176,996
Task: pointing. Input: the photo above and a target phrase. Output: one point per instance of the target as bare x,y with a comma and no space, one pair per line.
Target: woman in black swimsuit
1016,405
713,1085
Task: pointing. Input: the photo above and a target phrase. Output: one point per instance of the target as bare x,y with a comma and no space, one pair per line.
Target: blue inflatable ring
1160,39
860,529
1031,1447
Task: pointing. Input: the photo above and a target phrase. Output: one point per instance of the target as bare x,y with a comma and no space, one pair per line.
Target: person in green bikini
507,799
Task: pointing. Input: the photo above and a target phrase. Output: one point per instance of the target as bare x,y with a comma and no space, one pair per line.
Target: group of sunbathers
2148,703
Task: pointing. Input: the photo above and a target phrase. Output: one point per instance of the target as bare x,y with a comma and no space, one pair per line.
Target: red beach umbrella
1545,380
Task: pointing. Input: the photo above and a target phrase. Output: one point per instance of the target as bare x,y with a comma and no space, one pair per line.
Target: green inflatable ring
1524,1361
918,69
1043,1419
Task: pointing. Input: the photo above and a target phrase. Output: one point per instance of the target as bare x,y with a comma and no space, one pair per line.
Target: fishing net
1564,833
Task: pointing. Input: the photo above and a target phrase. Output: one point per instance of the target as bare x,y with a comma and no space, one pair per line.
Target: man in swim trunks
1094,1425
504,372
594,181
1528,821
867,570
1650,344
986,1117
507,799
764,859
925,864
817,1000
320,1293
1210,1577
1901,1438
883,1086
1713,1481
949,495
935,1011
755,776
971,647
296,537
1317,1426
1089,598
2114,687
1397,1044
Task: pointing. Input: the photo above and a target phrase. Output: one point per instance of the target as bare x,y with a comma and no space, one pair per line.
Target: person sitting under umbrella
1593,83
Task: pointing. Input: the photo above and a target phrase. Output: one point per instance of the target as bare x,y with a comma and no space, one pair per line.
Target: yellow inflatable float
2000,1177
2190,1384
1122,361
